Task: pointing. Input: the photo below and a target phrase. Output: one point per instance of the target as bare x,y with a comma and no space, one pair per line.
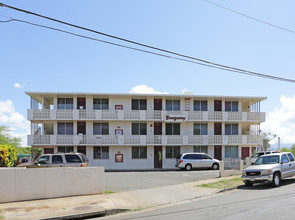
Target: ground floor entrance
158,157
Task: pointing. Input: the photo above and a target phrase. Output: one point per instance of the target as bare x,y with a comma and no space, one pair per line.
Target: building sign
175,118
119,158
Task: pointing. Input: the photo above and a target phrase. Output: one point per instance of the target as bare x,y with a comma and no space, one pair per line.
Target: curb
87,215
226,189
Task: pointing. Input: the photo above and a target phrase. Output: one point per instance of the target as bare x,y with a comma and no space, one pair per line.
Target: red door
48,150
158,128
82,149
218,152
217,129
81,128
217,105
81,103
157,104
245,152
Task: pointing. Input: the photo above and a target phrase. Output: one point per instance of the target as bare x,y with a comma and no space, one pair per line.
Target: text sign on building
175,118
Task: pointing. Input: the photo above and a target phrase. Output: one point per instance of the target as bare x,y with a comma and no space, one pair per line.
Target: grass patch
108,192
223,184
1,214
141,208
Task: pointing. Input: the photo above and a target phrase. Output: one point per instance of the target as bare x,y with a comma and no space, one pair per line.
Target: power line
247,16
123,46
203,62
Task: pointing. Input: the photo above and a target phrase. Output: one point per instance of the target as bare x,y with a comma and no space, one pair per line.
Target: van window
206,157
197,156
73,159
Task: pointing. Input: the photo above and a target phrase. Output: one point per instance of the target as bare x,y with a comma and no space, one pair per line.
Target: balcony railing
89,114
36,140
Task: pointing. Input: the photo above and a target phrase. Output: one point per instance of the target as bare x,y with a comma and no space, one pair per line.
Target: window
291,157
231,106
139,152
138,128
200,106
193,157
100,128
65,128
73,159
201,149
100,104
172,152
65,103
200,129
100,152
231,151
56,159
284,158
173,105
138,104
44,160
206,157
62,149
173,129
231,129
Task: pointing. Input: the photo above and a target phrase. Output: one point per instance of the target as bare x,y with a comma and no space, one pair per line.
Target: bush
8,156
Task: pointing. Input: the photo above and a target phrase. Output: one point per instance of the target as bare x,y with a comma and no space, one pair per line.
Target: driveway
134,180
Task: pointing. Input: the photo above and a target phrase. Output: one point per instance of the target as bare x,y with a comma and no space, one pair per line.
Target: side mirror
252,163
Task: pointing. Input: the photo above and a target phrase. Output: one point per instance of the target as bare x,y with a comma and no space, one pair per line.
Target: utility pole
279,143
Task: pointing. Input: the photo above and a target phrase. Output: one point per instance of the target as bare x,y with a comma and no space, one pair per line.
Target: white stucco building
137,131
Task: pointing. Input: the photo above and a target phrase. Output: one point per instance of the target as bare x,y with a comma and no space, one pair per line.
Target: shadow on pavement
266,186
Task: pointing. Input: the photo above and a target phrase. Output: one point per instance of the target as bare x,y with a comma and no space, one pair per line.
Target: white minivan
189,161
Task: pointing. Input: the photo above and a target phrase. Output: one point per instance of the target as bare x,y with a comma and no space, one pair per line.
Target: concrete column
221,168
241,165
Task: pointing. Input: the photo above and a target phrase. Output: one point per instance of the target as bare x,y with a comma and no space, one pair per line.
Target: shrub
8,156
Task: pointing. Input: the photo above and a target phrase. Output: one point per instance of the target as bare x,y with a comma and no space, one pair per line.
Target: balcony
109,140
89,114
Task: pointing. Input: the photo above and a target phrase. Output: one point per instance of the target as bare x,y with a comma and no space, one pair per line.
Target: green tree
7,139
8,156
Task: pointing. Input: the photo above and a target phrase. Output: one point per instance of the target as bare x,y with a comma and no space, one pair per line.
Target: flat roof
38,95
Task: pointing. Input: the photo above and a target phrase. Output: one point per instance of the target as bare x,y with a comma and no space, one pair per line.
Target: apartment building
144,131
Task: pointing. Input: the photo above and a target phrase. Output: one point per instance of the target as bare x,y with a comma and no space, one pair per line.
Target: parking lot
134,180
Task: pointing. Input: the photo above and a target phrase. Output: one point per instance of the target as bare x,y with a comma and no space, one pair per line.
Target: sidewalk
99,205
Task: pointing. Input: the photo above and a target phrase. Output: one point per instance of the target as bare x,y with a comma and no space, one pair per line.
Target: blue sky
44,60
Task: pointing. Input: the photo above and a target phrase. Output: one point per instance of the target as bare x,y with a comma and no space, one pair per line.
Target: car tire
276,181
248,184
215,166
188,167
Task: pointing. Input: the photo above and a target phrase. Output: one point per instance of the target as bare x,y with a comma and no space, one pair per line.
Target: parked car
260,153
271,168
189,161
58,160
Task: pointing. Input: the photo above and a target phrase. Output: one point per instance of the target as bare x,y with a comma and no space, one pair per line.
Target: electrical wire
204,62
247,16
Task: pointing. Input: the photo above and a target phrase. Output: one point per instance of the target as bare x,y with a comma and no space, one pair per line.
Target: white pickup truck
271,168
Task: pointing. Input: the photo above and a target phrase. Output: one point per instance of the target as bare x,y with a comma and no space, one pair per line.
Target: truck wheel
188,167
276,181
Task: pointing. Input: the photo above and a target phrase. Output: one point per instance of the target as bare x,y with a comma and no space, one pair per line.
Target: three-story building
137,131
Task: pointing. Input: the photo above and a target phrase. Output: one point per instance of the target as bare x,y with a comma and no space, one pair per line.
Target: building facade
136,131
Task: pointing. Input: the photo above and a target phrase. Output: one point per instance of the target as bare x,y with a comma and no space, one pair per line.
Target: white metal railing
145,140
90,114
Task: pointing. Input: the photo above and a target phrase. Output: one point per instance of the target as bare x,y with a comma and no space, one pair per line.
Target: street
258,202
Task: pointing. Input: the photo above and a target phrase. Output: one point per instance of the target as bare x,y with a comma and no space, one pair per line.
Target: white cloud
17,124
17,85
144,89
282,121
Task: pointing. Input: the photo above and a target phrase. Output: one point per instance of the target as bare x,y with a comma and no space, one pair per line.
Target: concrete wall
41,183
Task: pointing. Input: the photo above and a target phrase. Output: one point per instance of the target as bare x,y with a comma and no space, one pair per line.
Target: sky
41,60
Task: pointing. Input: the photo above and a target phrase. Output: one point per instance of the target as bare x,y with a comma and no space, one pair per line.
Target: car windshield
268,160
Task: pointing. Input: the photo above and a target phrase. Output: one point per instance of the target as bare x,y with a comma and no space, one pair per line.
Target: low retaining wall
18,184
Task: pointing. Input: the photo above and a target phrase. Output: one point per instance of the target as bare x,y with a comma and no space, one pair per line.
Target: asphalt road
260,202
127,181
